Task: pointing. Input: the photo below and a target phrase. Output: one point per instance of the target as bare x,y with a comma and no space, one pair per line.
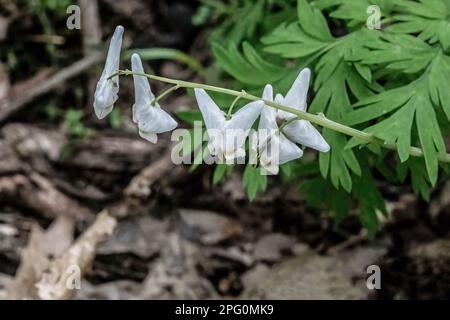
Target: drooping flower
107,89
227,136
300,131
151,119
274,148
278,145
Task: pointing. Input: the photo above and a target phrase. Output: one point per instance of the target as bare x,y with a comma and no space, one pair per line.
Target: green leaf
408,105
253,181
219,173
355,12
370,201
290,41
428,19
313,22
115,119
335,71
419,176
190,116
403,53
320,193
240,19
165,54
247,67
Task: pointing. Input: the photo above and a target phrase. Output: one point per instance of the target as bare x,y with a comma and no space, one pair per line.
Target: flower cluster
227,133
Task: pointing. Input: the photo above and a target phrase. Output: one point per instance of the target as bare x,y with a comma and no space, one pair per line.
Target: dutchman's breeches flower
227,136
107,89
300,131
279,146
147,113
274,148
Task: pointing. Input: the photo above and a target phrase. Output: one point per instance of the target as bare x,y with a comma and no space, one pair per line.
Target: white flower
300,131
274,148
106,91
227,137
150,119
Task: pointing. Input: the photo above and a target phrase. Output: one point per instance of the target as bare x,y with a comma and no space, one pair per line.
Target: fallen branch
140,185
36,192
19,100
41,277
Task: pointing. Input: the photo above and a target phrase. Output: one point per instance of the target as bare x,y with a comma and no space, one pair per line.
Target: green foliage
220,172
115,119
74,125
390,82
56,6
149,54
253,181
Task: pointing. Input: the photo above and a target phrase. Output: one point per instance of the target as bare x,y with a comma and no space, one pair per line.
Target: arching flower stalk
296,129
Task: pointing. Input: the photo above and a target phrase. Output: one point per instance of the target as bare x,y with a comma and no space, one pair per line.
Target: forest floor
76,192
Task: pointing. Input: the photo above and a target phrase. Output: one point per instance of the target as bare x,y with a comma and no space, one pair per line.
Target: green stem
230,110
287,123
320,120
165,93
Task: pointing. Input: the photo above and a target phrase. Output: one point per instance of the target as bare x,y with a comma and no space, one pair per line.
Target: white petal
245,117
215,141
297,95
303,132
279,98
212,115
268,93
115,46
106,91
238,127
288,150
150,137
279,150
268,118
155,120
105,96
269,168
143,94
229,156
280,113
269,155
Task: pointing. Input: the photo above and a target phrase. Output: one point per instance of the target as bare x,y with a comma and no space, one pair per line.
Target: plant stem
165,93
320,120
230,110
287,123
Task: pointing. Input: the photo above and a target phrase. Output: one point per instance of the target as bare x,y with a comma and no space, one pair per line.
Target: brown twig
140,185
92,36
39,194
10,106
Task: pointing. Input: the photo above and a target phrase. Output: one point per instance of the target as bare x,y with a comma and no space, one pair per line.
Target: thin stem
320,120
230,110
165,93
287,123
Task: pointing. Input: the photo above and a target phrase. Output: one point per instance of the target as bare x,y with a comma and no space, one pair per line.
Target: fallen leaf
208,227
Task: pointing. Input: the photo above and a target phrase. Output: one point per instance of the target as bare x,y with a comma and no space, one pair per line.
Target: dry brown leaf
46,269
54,283
208,227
